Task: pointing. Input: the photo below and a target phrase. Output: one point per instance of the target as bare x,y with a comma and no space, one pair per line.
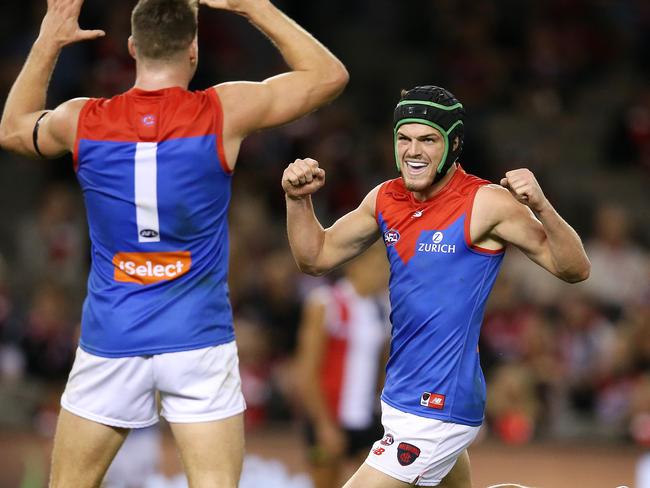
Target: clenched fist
525,188
302,177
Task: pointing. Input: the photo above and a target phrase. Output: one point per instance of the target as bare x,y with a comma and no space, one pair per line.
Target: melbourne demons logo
391,237
407,453
149,120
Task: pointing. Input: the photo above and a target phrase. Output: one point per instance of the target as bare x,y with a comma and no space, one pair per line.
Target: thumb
504,182
88,35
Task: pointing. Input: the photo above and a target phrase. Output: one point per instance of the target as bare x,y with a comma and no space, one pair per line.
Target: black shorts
358,440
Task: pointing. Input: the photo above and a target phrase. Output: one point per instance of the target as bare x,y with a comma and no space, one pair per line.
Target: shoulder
494,204
62,121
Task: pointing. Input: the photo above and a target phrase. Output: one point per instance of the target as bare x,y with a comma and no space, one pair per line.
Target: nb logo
148,233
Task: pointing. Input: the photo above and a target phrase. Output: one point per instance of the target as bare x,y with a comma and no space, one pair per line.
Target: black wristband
35,134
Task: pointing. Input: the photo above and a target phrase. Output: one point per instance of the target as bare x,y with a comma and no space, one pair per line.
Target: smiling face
420,149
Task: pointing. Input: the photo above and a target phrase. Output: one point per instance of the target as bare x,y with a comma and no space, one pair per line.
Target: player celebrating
445,233
155,166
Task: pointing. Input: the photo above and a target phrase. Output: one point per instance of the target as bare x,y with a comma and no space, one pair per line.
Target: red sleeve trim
75,152
468,221
212,93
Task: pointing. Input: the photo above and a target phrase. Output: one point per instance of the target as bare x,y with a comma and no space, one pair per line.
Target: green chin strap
444,133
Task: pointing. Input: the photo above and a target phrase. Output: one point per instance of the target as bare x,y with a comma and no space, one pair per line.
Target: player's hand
60,25
331,440
524,187
302,177
238,6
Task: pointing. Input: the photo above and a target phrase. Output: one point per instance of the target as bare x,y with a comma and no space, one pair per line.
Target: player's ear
456,143
194,52
131,46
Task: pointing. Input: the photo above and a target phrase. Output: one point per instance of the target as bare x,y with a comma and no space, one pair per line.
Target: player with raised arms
445,233
155,166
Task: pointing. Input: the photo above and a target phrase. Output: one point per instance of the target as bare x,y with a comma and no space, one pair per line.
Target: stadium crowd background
559,86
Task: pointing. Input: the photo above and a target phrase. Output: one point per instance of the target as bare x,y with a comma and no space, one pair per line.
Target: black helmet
437,108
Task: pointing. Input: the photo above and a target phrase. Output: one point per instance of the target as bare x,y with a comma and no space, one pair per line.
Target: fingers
303,171
302,177
87,35
524,187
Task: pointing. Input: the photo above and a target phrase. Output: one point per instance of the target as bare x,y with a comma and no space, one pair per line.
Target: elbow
578,275
311,269
5,138
335,80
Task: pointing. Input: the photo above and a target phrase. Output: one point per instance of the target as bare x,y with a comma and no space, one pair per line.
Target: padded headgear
437,108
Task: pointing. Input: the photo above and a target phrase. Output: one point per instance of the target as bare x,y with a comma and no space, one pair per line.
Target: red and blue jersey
438,288
157,188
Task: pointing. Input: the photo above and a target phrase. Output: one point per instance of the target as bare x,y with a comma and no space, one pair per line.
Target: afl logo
437,238
391,237
149,120
148,233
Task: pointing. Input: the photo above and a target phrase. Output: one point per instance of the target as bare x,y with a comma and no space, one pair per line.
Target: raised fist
302,177
524,187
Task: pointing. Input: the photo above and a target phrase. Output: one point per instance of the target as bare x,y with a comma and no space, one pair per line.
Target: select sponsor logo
432,400
146,268
391,237
436,245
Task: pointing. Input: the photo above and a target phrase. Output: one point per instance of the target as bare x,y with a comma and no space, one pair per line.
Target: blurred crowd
560,86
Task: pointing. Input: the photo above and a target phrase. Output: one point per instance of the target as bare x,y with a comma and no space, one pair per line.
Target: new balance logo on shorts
432,400
145,268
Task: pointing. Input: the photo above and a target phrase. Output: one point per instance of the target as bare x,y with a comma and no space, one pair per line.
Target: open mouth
416,167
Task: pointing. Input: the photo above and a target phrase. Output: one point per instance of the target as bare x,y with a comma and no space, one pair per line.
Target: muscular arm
316,77
317,250
26,99
526,219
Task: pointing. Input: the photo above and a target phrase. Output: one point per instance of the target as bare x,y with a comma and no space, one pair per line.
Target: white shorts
416,449
194,386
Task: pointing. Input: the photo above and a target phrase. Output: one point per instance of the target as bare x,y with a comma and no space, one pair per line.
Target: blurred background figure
341,354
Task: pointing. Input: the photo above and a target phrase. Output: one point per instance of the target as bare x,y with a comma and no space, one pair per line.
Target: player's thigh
212,452
83,451
460,475
369,477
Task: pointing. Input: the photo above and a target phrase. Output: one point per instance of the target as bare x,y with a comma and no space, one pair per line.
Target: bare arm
317,250
316,76
26,99
530,222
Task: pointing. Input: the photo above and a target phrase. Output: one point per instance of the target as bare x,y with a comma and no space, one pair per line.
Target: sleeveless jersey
157,189
438,288
357,330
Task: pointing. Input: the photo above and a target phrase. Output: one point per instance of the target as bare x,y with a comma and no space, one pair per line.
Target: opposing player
341,350
445,233
155,166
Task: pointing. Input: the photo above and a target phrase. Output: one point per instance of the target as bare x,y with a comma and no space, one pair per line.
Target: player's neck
161,76
437,187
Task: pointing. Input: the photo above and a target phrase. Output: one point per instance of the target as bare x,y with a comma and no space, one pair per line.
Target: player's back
157,189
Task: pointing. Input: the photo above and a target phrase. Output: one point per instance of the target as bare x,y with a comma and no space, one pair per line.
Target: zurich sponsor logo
391,237
437,246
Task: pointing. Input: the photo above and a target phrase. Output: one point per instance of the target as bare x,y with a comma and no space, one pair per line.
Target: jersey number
146,192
